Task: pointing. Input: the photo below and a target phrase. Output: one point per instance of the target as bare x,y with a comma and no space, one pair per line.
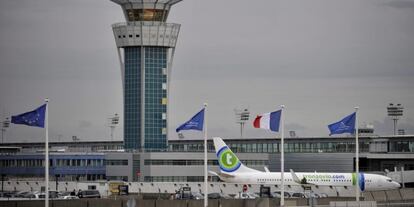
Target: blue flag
32,118
195,123
346,125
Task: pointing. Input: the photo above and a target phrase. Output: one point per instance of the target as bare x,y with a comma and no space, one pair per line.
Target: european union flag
346,125
32,118
196,122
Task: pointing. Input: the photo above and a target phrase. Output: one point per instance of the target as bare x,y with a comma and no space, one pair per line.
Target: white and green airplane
233,171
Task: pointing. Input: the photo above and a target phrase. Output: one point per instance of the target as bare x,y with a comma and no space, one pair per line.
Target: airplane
233,171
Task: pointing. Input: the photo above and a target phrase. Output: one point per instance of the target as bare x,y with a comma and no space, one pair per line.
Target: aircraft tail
229,163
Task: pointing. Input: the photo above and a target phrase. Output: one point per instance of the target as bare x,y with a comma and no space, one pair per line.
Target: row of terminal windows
56,163
61,163
22,163
274,147
116,162
201,162
299,147
390,146
396,146
402,146
107,147
79,162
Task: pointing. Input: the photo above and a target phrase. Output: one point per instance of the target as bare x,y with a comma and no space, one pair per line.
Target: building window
147,15
116,162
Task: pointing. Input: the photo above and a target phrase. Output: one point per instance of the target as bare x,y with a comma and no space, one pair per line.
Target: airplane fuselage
233,171
367,182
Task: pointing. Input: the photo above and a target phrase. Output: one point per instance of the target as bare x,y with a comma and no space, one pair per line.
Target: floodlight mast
4,126
242,116
395,111
113,122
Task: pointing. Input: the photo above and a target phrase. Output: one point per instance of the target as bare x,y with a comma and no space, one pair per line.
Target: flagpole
282,156
205,157
356,156
47,154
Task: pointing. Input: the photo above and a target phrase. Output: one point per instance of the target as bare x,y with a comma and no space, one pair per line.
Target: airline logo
361,180
227,160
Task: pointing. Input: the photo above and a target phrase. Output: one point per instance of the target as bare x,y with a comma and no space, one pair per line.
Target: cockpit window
389,180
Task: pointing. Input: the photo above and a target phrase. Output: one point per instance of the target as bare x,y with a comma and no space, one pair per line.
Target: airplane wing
213,173
295,177
221,174
266,169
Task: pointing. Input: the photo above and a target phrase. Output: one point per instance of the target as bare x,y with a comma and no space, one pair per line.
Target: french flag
268,121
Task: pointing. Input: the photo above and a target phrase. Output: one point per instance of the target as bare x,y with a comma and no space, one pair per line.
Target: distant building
401,132
63,166
367,130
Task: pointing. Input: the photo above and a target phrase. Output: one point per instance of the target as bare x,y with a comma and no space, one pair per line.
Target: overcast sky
320,58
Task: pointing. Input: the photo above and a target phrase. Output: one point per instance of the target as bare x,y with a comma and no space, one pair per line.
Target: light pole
395,111
113,122
5,124
242,116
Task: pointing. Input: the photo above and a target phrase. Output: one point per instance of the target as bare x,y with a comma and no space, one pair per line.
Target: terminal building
182,161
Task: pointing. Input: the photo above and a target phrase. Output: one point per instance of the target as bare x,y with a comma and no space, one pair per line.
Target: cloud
85,124
295,129
295,126
401,4
386,126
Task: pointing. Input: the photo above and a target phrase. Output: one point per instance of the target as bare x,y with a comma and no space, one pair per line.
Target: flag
269,121
196,122
34,118
346,125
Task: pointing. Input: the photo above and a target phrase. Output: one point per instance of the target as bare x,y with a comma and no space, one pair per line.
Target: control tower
146,45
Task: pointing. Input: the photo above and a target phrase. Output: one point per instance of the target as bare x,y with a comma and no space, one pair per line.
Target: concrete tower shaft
146,46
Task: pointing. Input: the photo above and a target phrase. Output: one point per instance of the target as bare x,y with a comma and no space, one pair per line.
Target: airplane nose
397,185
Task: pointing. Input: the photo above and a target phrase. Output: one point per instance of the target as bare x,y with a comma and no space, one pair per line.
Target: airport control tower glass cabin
145,44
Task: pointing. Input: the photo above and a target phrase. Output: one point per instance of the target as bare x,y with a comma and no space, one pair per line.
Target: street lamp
5,124
113,122
242,116
395,111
